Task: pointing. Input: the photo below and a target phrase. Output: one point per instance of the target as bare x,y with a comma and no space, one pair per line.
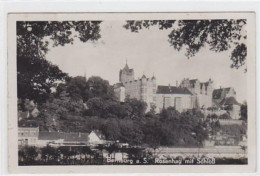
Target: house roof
99,134
172,90
218,92
229,101
45,135
28,123
23,114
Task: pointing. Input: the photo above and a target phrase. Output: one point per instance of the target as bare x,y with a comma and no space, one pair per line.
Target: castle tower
126,74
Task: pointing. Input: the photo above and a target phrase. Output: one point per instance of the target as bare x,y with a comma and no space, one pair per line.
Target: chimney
79,134
176,83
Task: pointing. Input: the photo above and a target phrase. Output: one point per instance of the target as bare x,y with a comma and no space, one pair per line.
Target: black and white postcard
131,92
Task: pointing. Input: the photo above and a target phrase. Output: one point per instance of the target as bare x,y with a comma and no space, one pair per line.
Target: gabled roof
218,92
23,114
28,124
229,101
126,67
99,134
45,135
172,90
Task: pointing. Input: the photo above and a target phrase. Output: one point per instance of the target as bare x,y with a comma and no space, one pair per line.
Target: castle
142,89
189,94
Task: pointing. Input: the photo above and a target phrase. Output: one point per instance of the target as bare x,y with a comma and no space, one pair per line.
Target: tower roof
126,67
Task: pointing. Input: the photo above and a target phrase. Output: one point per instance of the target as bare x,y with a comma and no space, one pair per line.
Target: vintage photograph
169,91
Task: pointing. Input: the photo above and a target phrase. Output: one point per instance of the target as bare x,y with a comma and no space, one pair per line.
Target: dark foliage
243,111
32,44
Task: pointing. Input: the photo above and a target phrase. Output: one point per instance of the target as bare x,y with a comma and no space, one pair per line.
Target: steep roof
172,90
45,135
28,123
229,101
99,134
126,67
218,92
23,114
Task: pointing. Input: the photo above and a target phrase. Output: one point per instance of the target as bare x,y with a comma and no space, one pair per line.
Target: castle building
201,92
119,90
225,98
143,89
171,96
189,94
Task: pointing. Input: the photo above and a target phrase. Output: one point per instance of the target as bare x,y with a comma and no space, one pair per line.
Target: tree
32,45
49,153
87,151
31,154
136,107
243,111
111,129
77,88
99,88
58,112
97,106
131,131
193,35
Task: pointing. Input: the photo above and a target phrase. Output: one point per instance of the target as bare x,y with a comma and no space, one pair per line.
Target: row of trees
76,155
87,156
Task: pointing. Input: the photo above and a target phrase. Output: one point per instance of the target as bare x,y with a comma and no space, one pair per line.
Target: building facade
225,99
201,91
143,89
171,96
28,135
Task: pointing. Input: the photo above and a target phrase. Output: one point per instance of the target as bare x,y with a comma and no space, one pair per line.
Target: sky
147,52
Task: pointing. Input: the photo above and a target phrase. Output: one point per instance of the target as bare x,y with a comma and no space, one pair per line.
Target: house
96,137
62,139
201,91
225,99
28,133
23,115
28,114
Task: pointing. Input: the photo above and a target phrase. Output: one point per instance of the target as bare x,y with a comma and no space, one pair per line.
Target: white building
179,98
